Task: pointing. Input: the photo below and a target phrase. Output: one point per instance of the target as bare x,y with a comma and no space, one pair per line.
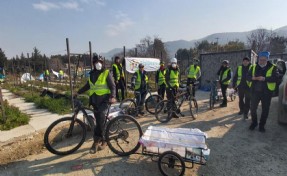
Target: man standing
46,74
224,74
263,76
160,80
139,84
101,92
61,74
193,74
242,85
172,82
119,78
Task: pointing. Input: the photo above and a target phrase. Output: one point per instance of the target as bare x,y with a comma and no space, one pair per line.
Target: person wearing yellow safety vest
172,82
102,90
46,74
224,74
263,76
119,78
193,74
139,83
160,79
241,84
61,74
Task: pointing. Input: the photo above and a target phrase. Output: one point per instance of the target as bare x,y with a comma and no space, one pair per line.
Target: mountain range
223,38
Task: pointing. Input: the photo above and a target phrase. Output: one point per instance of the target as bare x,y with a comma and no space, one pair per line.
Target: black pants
265,99
120,85
244,100
100,115
161,90
192,82
170,94
140,98
223,91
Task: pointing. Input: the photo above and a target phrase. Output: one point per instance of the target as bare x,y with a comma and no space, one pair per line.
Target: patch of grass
14,117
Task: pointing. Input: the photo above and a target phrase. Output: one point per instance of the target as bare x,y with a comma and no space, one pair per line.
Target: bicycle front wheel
164,111
123,134
151,103
129,107
65,136
193,108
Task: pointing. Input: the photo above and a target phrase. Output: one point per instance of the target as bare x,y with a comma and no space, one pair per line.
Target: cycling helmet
173,60
141,65
225,62
97,58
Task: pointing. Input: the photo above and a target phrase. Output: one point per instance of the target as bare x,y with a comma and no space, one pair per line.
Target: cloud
70,5
98,2
123,23
45,6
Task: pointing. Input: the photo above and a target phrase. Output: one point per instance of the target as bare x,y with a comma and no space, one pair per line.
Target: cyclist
102,90
193,74
160,79
172,82
224,74
139,84
119,77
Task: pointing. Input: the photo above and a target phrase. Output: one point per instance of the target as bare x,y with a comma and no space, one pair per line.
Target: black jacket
243,83
220,74
115,72
96,99
167,74
261,86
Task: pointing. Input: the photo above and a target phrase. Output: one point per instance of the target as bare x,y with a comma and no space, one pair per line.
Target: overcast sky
112,24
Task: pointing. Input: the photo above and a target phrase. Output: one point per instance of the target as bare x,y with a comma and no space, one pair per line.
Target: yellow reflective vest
173,78
161,77
118,74
139,80
101,85
192,73
224,76
239,75
271,85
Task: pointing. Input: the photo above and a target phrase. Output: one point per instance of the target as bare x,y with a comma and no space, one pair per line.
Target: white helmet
173,60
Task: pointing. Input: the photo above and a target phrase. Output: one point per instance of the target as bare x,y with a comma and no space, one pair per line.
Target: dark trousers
191,81
140,98
223,91
120,85
161,90
100,115
244,100
265,99
170,94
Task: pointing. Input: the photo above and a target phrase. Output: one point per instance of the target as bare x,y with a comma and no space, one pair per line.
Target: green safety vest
61,72
161,77
101,86
225,76
47,72
193,72
271,86
139,80
173,78
118,72
239,75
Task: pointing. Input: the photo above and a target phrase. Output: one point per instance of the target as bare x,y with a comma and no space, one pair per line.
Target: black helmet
225,62
97,58
141,65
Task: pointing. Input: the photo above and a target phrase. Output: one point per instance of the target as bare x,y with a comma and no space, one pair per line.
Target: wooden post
91,55
69,65
2,106
126,76
136,52
30,73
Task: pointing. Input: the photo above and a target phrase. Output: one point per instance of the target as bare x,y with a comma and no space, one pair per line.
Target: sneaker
175,116
262,129
252,126
240,112
223,105
94,148
102,146
141,113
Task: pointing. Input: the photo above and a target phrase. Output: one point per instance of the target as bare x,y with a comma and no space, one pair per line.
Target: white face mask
262,65
173,65
98,66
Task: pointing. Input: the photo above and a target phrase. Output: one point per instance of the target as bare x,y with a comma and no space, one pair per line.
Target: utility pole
216,44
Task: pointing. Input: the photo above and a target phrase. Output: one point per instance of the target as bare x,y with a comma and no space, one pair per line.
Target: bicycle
66,135
130,107
165,109
216,95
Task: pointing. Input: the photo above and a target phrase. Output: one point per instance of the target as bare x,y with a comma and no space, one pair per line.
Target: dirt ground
234,149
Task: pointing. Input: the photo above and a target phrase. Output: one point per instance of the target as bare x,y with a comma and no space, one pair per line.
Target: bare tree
259,40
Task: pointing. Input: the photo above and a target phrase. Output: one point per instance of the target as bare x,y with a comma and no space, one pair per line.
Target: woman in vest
224,74
119,79
160,80
139,84
263,76
241,84
101,89
172,82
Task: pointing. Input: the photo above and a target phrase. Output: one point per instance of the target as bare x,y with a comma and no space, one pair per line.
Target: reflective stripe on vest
173,78
193,72
161,77
239,75
139,80
224,76
271,86
101,85
118,71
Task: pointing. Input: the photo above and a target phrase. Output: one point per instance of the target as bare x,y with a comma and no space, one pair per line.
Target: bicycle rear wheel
129,107
193,108
124,140
164,111
151,103
65,136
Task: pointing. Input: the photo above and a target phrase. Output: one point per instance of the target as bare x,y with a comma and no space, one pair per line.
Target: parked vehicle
282,98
